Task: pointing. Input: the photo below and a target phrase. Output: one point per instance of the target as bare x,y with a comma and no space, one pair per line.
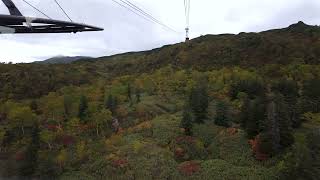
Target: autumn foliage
66,140
19,156
256,149
188,168
53,127
232,131
179,152
120,163
185,139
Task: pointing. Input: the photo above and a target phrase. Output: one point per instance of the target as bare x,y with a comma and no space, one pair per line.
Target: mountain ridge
296,27
63,59
297,44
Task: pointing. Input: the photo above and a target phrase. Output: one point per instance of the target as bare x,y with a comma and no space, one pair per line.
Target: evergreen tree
272,129
253,116
34,106
199,103
101,99
252,87
313,143
290,91
245,111
129,92
285,127
222,115
249,118
311,93
303,162
115,104
2,137
138,95
83,107
266,144
112,103
109,102
29,164
187,121
277,129
67,103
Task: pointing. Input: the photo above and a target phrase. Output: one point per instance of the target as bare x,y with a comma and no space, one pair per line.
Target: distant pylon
187,34
187,14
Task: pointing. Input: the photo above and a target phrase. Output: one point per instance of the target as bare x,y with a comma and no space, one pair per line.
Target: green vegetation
221,107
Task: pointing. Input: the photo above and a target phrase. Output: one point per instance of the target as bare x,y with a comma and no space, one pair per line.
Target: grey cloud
306,11
125,31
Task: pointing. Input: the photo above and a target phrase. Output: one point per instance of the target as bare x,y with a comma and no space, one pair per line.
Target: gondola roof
21,24
16,23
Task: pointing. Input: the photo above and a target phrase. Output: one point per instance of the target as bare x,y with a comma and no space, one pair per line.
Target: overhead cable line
36,8
65,13
138,11
132,11
146,14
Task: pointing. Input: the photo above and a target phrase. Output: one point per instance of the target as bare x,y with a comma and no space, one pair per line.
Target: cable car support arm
17,23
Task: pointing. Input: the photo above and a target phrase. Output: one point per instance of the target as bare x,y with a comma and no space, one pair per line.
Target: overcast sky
125,31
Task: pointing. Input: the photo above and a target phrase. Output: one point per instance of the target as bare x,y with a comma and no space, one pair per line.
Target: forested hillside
243,106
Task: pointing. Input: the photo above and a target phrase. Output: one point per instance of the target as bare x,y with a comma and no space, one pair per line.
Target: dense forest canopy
243,106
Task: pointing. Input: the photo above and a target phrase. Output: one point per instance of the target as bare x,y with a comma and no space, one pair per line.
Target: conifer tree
101,99
67,103
278,122
311,93
285,127
138,96
83,106
187,122
222,115
253,116
249,119
290,92
29,164
115,104
109,102
34,106
273,125
129,92
245,110
112,103
199,103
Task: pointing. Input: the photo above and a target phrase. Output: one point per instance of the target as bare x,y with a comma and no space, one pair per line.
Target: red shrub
87,127
188,168
52,127
256,149
185,139
179,152
120,163
232,131
19,156
66,140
